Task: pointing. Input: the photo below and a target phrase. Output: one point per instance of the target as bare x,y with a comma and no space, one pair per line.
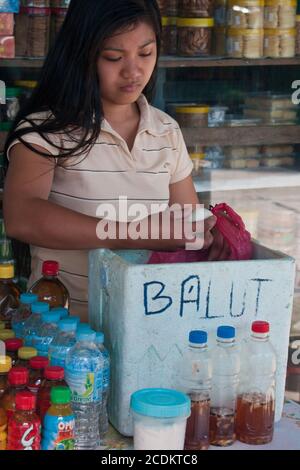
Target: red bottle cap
54,373
18,376
25,401
260,327
50,268
13,344
38,362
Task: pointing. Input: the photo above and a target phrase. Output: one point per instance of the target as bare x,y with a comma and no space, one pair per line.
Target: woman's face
126,64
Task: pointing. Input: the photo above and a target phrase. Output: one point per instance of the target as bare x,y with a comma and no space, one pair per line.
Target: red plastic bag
232,227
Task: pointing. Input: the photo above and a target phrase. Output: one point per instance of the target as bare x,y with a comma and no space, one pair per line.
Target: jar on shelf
219,41
169,35
58,16
195,8
192,116
280,13
220,13
194,36
298,35
27,87
247,43
36,3
245,14
280,42
198,163
32,31
168,7
12,103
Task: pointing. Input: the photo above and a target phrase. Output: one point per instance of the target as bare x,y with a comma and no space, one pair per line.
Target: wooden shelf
174,62
256,135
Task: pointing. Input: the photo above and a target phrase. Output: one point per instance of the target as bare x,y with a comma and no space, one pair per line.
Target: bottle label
58,433
86,387
26,436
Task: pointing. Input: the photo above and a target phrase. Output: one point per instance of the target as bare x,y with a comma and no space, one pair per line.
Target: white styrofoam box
147,311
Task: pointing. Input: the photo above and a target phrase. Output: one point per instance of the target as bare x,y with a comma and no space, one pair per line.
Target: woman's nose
131,70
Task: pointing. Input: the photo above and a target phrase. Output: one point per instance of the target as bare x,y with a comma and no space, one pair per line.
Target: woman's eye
146,55
112,59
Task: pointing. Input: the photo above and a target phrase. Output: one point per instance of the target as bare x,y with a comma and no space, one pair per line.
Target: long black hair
69,90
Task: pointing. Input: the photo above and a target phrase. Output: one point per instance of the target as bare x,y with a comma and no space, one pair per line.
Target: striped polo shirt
109,170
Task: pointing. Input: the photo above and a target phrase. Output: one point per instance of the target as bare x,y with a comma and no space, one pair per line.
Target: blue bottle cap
198,337
40,307
86,335
226,332
99,337
68,324
50,317
28,298
160,403
64,312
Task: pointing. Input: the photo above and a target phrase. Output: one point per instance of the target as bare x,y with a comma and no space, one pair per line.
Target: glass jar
220,12
194,36
12,103
246,43
245,14
219,42
298,35
195,8
27,87
159,419
34,24
280,42
192,116
198,163
280,13
168,7
58,16
169,35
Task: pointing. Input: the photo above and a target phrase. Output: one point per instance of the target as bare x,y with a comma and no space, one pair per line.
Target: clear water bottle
225,377
195,381
20,316
63,341
34,321
84,376
103,423
46,332
256,398
63,312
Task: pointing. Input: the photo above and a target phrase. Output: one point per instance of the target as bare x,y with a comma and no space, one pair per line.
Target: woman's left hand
219,249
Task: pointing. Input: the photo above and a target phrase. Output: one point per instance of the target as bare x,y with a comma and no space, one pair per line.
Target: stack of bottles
232,389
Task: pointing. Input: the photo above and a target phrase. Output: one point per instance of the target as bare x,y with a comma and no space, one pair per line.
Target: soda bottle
12,346
36,372
3,429
24,355
256,397
17,381
63,341
225,377
196,373
84,376
59,423
20,316
9,293
103,423
34,321
45,333
53,377
6,334
49,288
5,366
24,427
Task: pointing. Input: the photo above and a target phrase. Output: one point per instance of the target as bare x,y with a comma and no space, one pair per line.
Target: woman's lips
130,88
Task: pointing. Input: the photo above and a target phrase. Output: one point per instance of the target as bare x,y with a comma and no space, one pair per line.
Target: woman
88,136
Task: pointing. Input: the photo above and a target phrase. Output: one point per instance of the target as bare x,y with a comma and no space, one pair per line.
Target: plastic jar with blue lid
160,417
